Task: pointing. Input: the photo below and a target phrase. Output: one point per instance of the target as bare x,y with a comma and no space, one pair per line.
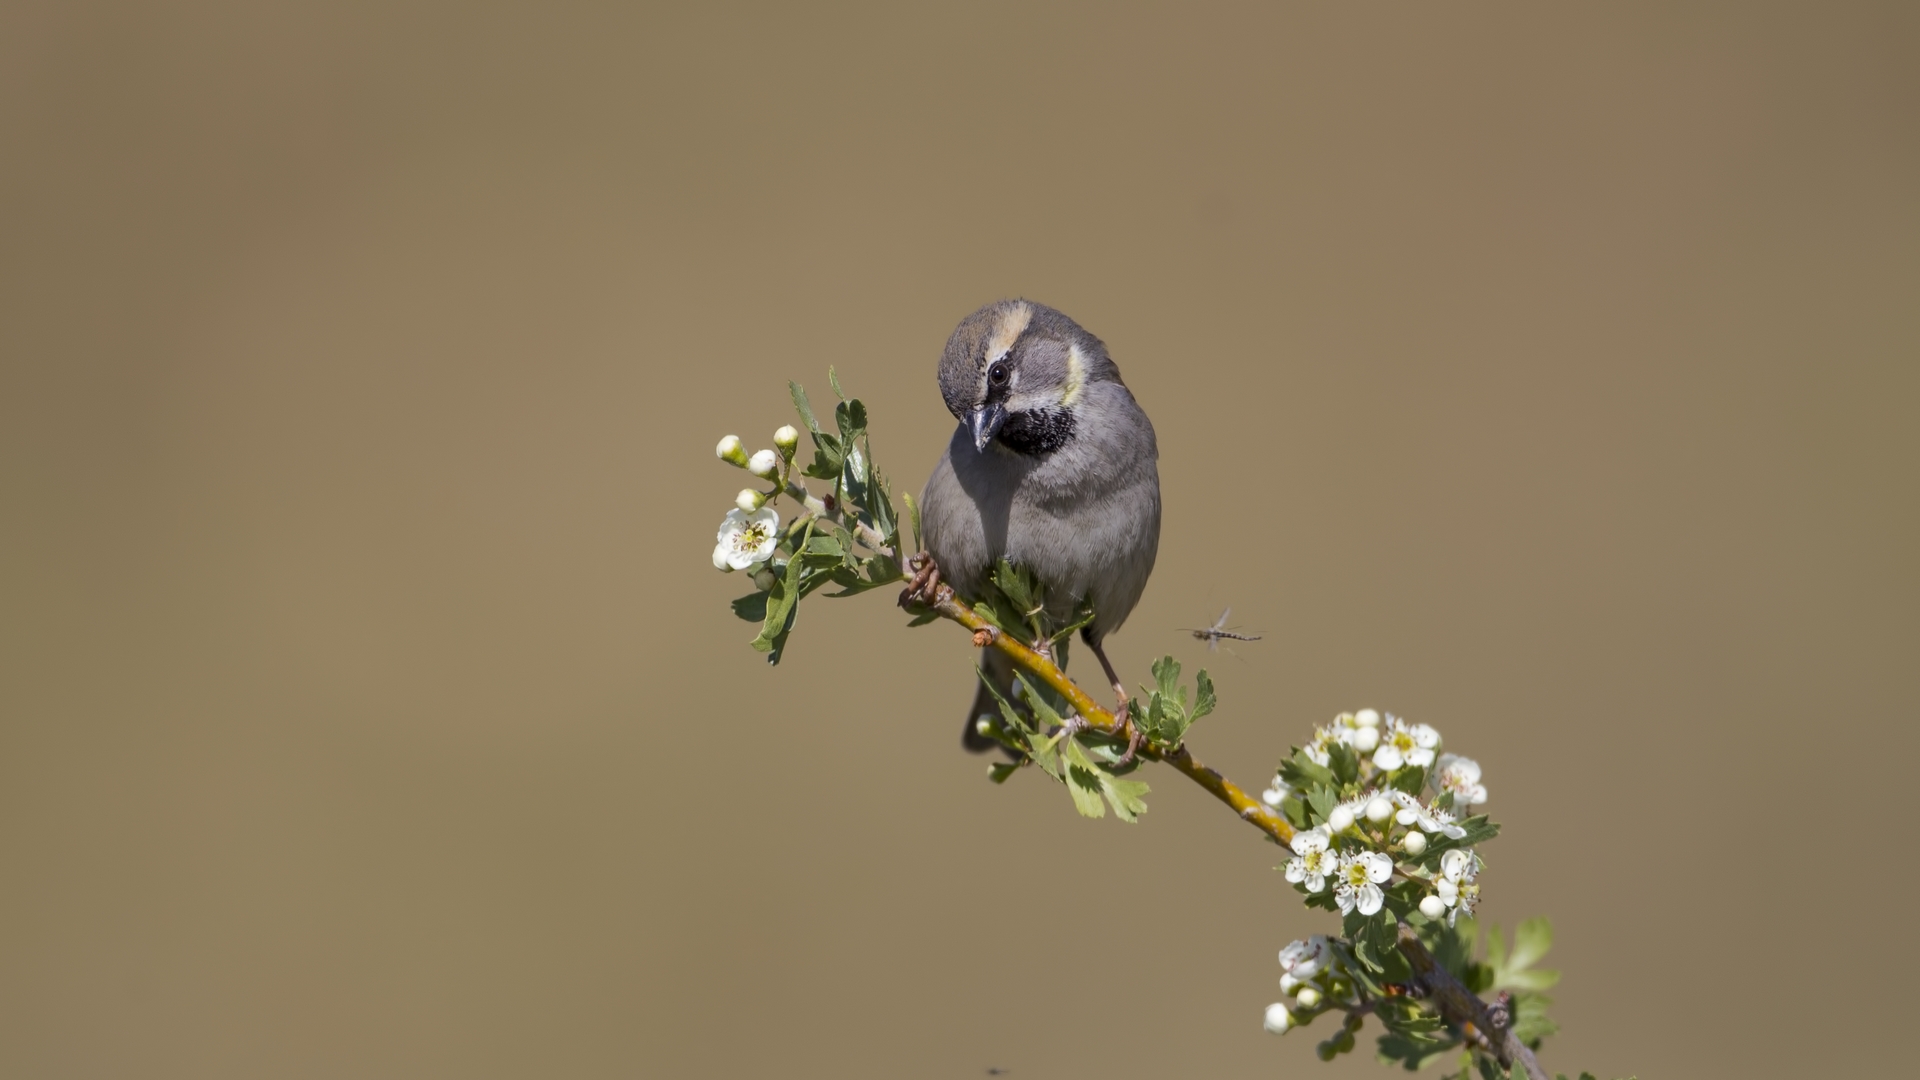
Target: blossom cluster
1379,831
1314,975
751,530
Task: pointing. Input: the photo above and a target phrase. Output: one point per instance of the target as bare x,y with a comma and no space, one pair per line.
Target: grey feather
1080,505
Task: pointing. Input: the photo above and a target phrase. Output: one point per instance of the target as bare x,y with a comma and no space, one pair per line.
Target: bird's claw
925,587
1135,740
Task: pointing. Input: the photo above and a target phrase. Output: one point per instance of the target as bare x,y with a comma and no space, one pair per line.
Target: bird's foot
925,586
1123,714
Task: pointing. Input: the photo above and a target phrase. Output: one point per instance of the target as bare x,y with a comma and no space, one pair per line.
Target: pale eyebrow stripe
1076,374
1008,328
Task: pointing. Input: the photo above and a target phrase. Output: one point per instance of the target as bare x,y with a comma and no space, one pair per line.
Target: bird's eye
997,374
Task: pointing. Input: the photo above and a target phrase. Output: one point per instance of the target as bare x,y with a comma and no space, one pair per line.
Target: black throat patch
1037,431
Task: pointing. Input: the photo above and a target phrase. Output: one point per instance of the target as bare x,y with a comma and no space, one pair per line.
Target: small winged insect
1213,635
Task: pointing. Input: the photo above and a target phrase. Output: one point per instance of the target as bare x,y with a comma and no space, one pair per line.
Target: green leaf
752,608
913,513
801,406
825,546
1302,773
1166,675
1000,771
1321,800
879,506
1530,1021
1204,699
1410,780
1531,940
834,379
1126,796
1344,762
1018,585
1514,970
1413,1052
1083,781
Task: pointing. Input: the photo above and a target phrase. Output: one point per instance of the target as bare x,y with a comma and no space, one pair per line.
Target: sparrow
1052,466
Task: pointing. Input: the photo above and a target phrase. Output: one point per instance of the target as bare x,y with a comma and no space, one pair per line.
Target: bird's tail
999,671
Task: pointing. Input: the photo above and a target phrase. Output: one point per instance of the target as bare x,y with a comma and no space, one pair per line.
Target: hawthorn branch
1489,1027
1101,721
1486,1026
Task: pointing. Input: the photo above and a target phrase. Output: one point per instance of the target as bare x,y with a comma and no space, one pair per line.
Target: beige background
370,708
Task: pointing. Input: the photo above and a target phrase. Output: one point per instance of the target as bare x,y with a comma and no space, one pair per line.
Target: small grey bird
1052,467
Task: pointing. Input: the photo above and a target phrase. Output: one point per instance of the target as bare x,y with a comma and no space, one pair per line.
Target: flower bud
1278,1018
1433,907
1326,1051
731,452
1416,842
786,439
1365,740
763,463
749,500
1340,820
1308,997
1367,718
1272,796
1379,809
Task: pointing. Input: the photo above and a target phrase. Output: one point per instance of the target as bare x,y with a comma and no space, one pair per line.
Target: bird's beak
985,422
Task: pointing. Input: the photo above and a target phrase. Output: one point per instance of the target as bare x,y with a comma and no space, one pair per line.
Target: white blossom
1312,863
1302,960
1340,819
1461,776
1456,887
1405,744
1359,882
1429,818
1276,792
746,539
1316,749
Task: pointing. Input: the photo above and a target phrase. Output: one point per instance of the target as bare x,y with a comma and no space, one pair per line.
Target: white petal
1454,863
1379,867
1367,718
1420,756
1387,757
1340,820
1370,899
1424,736
720,558
1365,739
1296,873
1379,809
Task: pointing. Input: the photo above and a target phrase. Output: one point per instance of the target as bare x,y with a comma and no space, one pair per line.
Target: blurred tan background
370,707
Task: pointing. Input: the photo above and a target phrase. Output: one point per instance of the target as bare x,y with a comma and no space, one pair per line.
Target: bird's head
1015,370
